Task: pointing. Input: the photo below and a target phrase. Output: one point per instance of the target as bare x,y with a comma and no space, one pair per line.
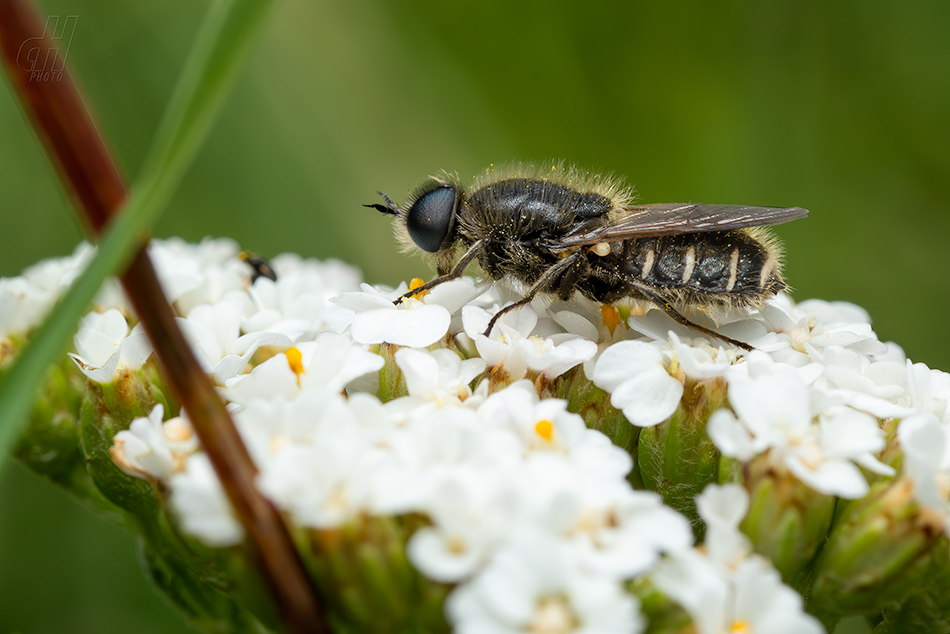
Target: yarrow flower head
580,468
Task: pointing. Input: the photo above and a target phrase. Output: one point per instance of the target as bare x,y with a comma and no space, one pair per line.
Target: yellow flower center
545,429
295,360
611,317
415,283
552,615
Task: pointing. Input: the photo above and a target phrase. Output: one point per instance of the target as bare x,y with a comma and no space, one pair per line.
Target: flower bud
50,443
879,549
106,410
369,585
926,607
593,405
664,615
677,459
787,520
392,383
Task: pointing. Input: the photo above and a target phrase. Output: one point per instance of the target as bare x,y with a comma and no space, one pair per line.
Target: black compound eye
431,217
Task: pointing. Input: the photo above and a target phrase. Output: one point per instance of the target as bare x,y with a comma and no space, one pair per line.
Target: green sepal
927,608
50,443
880,549
368,585
892,455
787,521
664,616
194,578
99,424
210,607
677,459
392,383
593,405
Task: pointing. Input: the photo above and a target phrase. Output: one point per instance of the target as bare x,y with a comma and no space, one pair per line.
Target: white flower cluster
724,586
810,398
531,515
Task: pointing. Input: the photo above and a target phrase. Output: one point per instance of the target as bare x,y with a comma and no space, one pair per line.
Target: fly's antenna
389,208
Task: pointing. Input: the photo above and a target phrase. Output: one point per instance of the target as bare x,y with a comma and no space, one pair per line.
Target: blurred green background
842,108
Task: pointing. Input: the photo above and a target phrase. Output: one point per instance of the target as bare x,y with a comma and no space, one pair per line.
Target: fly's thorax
526,208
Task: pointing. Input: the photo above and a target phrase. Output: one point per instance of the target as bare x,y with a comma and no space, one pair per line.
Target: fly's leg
553,271
457,271
667,308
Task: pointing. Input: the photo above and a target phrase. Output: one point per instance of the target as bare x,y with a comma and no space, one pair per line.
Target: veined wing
674,219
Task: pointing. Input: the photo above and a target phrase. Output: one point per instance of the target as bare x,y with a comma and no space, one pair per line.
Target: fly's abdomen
724,268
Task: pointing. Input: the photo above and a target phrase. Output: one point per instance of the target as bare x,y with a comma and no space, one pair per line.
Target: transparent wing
674,219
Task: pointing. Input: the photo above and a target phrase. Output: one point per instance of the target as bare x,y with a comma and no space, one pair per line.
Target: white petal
440,557
104,374
416,328
730,437
726,504
649,398
360,302
576,324
832,477
624,360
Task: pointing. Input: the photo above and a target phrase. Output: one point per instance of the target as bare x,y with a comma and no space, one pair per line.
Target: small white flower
546,427
726,588
841,324
323,483
699,359
511,327
103,341
870,386
752,599
774,408
929,390
151,448
436,443
722,509
439,376
202,507
273,379
213,331
513,345
193,274
636,376
926,446
623,533
411,323
329,363
23,305
269,426
414,323
472,512
298,304
333,361
535,585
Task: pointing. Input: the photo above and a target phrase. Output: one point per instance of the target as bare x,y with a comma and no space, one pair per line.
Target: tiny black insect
260,267
561,230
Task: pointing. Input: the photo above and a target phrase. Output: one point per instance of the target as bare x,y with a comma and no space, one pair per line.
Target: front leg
457,271
550,274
